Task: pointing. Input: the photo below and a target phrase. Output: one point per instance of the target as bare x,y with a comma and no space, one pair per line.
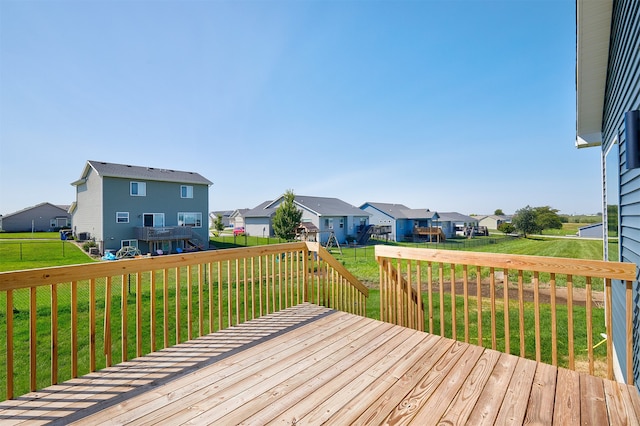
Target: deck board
311,365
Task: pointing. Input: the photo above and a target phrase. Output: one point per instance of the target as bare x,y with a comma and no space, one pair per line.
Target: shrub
86,246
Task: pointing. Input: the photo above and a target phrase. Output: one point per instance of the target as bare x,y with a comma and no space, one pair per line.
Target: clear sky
464,106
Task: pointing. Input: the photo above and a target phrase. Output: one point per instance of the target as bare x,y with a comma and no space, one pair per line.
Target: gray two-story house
156,210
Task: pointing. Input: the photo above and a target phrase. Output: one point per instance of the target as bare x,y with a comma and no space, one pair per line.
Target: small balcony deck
309,364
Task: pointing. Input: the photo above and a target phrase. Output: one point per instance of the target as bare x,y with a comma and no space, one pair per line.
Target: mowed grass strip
19,254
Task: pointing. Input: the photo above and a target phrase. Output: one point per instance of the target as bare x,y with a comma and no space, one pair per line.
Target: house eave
593,28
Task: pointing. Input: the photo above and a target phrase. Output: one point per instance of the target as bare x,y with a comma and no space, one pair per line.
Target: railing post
305,275
9,369
608,326
629,330
383,290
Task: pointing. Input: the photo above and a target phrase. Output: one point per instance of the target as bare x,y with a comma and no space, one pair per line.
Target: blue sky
464,106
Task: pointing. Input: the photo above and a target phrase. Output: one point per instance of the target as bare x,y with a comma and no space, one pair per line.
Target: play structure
430,233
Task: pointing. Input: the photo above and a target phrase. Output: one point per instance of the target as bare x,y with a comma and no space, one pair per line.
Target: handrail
128,308
425,270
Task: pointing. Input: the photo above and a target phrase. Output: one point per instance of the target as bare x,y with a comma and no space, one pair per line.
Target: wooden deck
312,365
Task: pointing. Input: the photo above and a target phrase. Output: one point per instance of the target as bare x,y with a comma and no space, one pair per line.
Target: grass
17,254
29,235
568,229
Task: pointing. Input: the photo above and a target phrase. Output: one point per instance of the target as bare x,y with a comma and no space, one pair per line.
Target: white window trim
130,243
181,222
118,217
158,216
142,189
189,190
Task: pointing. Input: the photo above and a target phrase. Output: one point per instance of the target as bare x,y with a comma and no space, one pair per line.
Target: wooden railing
59,323
150,233
490,288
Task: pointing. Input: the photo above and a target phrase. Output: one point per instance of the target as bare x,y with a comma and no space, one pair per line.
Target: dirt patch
544,292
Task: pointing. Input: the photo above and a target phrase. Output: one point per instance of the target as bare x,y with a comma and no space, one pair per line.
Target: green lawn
29,235
17,254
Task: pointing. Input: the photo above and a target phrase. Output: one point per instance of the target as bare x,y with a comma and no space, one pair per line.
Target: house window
138,189
129,243
186,191
122,217
155,220
328,223
341,223
190,219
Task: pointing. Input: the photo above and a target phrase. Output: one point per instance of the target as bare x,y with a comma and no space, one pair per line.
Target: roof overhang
593,28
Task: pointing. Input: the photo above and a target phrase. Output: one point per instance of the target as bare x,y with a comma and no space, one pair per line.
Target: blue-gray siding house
399,217
607,86
329,215
156,210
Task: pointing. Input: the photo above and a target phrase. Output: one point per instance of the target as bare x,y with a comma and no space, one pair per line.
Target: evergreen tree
287,217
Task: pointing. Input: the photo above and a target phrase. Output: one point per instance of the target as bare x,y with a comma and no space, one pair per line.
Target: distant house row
331,216
164,211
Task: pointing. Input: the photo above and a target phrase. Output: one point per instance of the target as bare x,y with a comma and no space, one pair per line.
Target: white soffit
593,28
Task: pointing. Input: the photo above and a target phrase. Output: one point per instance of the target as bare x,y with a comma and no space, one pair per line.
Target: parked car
238,231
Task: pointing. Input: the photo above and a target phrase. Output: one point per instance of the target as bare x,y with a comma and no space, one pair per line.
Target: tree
547,218
525,221
218,225
498,212
506,228
287,217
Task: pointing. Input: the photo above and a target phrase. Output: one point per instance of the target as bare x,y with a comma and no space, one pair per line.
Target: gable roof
126,171
493,216
64,209
400,211
455,217
261,210
321,206
223,213
238,212
324,206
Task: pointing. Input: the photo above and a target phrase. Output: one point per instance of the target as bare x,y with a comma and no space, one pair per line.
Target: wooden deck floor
311,365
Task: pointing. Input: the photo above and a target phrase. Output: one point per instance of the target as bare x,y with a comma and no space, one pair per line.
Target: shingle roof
260,210
455,217
61,207
325,206
400,211
322,206
144,173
